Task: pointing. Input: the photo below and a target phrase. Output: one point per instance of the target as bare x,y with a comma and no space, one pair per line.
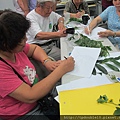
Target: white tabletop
66,49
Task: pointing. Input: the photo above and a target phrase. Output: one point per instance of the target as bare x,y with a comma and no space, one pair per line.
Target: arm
21,4
85,10
74,15
26,6
93,24
36,30
109,33
39,54
28,94
61,23
50,35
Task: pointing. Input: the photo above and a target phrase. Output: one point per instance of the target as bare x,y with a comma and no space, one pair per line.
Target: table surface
66,48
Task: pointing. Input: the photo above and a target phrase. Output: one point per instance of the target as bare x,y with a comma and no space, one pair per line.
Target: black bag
50,107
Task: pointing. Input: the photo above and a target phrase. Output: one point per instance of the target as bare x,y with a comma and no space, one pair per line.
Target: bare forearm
114,34
72,15
47,35
47,84
94,23
20,3
25,2
29,94
37,53
61,20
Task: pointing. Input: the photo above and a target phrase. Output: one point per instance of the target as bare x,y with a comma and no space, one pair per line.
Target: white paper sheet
94,34
85,83
85,59
96,80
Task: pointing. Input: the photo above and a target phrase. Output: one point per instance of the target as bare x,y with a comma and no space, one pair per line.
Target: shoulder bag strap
13,70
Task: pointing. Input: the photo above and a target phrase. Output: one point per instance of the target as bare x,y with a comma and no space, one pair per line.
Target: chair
103,25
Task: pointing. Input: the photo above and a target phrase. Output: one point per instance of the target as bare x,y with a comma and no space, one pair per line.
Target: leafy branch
74,19
104,99
87,42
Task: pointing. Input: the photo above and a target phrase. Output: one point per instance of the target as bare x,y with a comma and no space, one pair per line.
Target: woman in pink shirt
19,94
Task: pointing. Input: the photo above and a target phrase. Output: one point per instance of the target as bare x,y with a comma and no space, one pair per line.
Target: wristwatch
114,34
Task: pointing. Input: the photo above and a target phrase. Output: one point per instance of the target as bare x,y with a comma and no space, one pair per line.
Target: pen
65,57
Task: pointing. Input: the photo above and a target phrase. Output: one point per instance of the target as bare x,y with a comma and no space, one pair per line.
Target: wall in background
6,4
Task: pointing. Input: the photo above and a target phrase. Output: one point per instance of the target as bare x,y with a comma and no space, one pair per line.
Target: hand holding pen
68,64
65,57
87,30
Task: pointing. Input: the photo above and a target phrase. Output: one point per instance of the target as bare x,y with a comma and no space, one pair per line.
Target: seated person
111,15
76,8
19,92
42,19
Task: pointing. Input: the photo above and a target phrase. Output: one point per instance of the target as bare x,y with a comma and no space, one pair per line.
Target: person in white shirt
41,31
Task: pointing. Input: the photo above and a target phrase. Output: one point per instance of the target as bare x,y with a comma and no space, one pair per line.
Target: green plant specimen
112,67
87,42
74,19
113,60
113,77
104,99
101,68
94,71
116,62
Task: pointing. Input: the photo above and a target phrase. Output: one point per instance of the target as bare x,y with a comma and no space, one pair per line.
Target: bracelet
46,60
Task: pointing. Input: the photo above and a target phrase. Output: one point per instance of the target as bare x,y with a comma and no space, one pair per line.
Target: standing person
76,8
42,20
106,3
19,97
20,8
31,4
112,16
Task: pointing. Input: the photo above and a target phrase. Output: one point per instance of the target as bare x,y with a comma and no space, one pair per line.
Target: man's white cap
41,1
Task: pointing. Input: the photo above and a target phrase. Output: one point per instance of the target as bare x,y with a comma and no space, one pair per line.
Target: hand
62,33
79,14
61,26
106,33
52,65
87,31
67,65
26,12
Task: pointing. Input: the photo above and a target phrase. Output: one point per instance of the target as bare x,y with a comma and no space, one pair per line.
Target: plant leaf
117,111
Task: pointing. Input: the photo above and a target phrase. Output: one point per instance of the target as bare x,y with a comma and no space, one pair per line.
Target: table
74,88
66,48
